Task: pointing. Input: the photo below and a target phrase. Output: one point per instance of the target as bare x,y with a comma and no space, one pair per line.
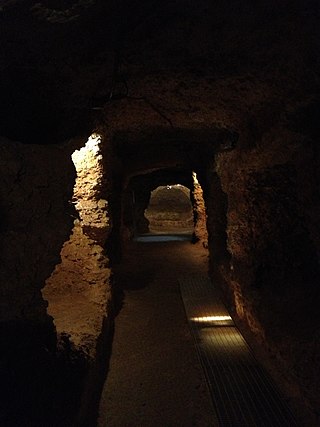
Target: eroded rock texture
229,90
273,274
200,214
79,290
35,187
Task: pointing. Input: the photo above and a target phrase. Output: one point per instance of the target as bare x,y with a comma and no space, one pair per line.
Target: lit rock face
89,187
200,215
62,319
78,291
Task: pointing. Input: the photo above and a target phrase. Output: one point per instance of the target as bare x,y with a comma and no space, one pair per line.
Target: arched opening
164,203
170,210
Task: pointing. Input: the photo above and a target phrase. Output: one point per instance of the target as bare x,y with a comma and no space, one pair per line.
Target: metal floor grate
243,394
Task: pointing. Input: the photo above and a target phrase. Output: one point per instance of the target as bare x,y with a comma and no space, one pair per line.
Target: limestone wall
79,289
200,214
272,274
54,225
227,89
36,184
36,219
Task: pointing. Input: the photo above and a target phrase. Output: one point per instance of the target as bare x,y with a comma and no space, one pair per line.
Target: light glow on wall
87,153
195,178
90,188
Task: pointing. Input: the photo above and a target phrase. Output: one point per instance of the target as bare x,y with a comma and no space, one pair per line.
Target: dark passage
155,376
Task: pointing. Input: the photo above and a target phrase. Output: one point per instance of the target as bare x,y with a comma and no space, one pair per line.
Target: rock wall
79,289
35,187
262,201
55,332
271,277
36,184
199,210
187,80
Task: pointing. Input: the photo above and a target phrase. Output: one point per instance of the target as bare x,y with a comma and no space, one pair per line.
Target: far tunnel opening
165,205
170,210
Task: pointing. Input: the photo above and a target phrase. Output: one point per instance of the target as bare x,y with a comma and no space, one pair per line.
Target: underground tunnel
170,210
125,120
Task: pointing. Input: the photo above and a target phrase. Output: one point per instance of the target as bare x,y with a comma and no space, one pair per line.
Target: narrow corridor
155,377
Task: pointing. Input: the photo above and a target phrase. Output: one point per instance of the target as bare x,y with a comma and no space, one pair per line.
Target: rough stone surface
36,218
229,90
36,184
272,277
91,185
200,214
79,290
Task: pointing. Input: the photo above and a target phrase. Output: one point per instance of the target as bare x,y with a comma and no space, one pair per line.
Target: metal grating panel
243,394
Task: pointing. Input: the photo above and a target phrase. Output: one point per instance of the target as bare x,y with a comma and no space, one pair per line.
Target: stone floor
155,377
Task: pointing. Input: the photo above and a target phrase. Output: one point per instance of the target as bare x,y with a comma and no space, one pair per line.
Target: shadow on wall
34,112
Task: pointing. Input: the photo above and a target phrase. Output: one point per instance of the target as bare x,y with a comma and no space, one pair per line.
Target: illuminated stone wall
200,215
79,290
83,271
91,189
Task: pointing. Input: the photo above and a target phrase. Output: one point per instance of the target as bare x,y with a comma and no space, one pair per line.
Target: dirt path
155,378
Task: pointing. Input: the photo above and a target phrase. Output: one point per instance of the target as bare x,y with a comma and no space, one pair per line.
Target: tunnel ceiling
161,177
154,149
68,65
